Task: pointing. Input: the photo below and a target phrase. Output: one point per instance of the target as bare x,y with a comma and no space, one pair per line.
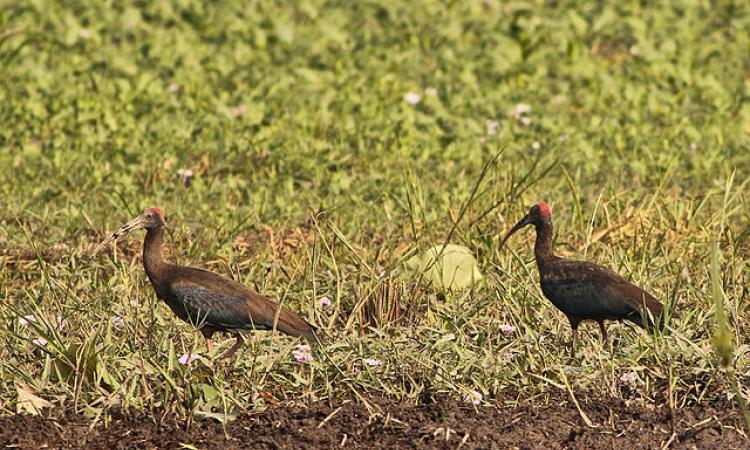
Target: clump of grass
723,339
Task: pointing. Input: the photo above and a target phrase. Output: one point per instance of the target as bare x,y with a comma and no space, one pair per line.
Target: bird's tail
294,325
311,334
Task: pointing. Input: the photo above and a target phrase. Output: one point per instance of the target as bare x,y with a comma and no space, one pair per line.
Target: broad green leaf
220,417
451,268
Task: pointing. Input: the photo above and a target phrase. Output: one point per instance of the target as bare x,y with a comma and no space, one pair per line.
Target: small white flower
238,111
507,329
372,362
431,91
62,323
628,378
492,126
536,145
324,302
563,138
473,397
304,348
693,147
188,358
412,98
41,342
117,321
302,355
173,87
25,320
186,175
520,114
520,110
84,33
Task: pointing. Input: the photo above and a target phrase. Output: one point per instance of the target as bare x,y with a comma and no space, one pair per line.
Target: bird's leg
208,334
235,347
574,325
605,337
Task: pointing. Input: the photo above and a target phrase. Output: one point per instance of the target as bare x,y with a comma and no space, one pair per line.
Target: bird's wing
203,306
584,270
638,300
580,288
583,298
234,306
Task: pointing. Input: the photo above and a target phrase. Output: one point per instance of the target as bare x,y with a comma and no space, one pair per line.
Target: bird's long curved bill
125,229
521,223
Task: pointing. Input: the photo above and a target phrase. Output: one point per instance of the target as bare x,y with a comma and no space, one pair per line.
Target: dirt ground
442,425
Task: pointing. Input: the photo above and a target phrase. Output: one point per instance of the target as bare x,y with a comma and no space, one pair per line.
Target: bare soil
440,425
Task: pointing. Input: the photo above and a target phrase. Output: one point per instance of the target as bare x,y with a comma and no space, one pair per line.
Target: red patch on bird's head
157,211
544,209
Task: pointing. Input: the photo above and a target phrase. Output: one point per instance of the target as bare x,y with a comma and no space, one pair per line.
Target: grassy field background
329,142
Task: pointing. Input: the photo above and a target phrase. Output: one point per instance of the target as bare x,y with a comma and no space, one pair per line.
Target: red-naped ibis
583,290
205,299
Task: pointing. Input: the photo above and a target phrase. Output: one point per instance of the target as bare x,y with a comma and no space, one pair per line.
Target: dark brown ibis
583,290
205,299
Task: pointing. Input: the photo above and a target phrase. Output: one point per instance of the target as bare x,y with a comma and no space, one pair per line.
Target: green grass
314,177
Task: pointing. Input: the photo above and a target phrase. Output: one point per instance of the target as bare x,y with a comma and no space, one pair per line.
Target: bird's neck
543,246
152,259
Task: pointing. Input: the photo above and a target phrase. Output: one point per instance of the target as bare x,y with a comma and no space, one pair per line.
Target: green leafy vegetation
327,143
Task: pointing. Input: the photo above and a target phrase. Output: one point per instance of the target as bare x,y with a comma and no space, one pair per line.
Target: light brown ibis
583,290
205,299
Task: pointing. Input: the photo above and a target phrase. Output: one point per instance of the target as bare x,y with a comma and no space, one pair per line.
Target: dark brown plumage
207,300
583,290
